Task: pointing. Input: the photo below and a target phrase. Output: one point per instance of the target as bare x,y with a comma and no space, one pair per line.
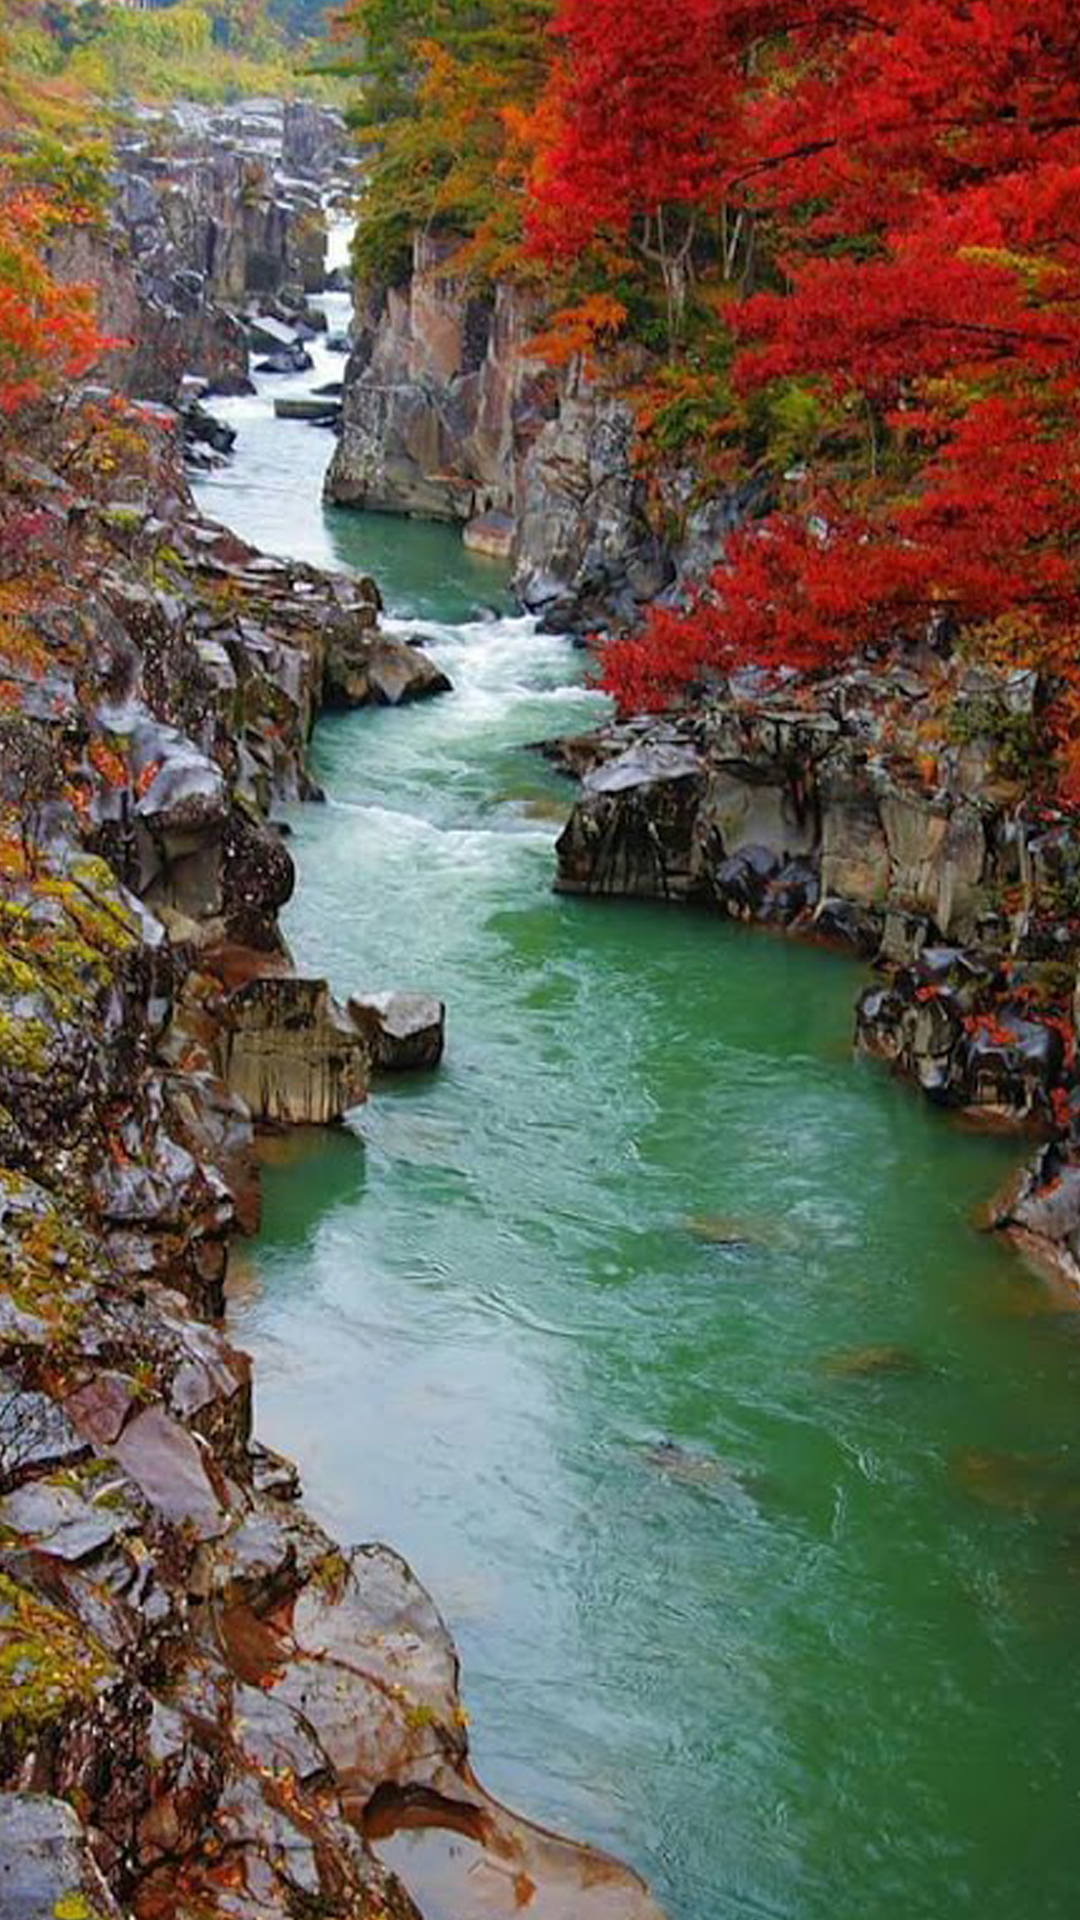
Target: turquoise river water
816,1659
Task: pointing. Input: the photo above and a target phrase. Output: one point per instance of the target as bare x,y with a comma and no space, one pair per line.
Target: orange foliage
47,331
575,333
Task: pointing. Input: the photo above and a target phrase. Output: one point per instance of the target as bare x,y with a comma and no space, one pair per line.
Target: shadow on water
308,1174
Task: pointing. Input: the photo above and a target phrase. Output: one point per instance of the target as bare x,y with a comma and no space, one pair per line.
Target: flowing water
654,1329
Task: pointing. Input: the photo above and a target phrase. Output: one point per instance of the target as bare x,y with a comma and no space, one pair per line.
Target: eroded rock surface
448,415
403,1030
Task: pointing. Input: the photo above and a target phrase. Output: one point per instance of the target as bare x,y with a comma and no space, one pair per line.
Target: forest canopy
847,235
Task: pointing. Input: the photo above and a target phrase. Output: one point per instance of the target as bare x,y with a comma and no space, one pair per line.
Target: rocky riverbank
448,415
887,811
206,1705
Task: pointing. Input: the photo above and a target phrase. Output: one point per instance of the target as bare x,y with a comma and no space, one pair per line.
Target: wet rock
273,1475
291,1054
317,412
293,359
377,671
268,335
1040,1212
1009,1063
403,1030
633,832
201,429
741,882
843,924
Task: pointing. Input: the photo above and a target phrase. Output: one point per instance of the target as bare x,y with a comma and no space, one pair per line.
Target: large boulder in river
403,1030
633,831
373,671
291,1053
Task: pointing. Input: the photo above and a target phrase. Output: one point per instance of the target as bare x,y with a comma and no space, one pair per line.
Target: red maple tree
914,166
641,117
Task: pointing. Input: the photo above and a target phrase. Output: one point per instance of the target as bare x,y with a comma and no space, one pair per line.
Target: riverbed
655,1329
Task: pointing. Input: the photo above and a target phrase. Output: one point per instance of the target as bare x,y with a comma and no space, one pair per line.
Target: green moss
74,1906
47,1267
24,1043
48,1665
62,941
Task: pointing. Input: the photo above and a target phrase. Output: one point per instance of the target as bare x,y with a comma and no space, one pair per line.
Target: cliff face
213,212
438,395
448,416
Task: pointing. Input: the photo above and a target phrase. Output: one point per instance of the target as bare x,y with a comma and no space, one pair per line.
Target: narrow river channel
654,1329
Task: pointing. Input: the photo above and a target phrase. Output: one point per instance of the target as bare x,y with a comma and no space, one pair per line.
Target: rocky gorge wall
207,1706
447,415
214,213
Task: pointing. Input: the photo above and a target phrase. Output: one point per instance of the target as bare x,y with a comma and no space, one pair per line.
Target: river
654,1329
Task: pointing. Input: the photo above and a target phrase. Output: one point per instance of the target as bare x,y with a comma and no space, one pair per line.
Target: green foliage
440,81
1014,737
74,173
208,50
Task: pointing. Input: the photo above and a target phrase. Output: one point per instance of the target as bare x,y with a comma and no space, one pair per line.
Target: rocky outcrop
404,1031
290,1053
366,669
447,415
586,555
437,391
214,212
872,811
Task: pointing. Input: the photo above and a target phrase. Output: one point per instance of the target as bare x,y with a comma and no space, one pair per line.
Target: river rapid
654,1330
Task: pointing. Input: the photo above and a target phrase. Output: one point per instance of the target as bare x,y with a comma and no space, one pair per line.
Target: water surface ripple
579,1324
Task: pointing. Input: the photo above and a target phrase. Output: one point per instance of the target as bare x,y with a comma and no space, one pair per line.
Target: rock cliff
448,416
206,1706
213,212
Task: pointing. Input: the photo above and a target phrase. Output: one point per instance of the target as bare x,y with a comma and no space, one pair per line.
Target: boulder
291,1054
633,832
403,1030
46,1866
315,411
294,359
377,671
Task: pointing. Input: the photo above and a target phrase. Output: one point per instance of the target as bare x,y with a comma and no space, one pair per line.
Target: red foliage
918,165
47,330
645,106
